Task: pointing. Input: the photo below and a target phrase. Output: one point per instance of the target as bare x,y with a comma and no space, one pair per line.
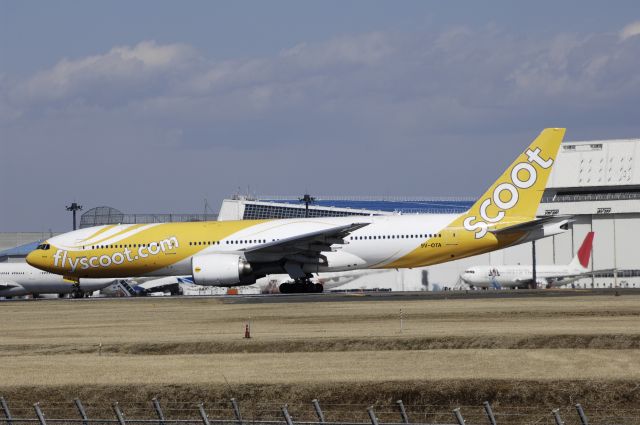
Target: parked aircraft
521,276
20,279
231,253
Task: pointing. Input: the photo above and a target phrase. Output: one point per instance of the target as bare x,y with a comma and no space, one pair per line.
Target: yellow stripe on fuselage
136,256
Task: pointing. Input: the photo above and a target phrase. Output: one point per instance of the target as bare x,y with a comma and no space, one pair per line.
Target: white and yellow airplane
230,253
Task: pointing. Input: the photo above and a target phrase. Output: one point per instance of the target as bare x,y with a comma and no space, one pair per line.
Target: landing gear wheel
301,286
285,288
76,292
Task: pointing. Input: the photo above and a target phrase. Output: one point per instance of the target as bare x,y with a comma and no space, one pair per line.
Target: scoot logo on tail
480,227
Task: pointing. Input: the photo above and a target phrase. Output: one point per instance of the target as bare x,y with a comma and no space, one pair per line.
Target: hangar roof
597,163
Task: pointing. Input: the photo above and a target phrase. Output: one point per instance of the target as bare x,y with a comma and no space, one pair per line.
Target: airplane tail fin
515,196
581,260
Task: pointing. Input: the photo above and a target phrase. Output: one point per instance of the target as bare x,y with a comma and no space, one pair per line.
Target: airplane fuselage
520,275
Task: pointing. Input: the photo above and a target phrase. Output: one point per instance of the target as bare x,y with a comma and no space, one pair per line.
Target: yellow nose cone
35,258
30,258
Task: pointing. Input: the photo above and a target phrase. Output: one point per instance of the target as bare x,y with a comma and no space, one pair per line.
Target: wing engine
220,269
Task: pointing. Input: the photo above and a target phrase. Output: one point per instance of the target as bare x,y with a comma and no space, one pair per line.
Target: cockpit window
44,246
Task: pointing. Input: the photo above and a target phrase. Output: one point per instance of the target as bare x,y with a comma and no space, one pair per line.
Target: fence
188,413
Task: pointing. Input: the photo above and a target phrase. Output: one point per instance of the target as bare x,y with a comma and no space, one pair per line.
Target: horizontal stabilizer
533,225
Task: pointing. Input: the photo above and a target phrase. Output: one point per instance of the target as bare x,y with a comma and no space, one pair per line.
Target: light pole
307,199
73,208
534,285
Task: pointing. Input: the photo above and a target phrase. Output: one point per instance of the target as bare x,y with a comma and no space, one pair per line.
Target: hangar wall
615,247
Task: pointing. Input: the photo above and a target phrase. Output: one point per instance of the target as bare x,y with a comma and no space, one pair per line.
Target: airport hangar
595,181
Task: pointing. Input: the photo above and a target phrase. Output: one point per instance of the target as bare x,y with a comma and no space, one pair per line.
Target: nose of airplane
39,256
31,259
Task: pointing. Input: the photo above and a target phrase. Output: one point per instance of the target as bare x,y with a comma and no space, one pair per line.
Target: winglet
515,196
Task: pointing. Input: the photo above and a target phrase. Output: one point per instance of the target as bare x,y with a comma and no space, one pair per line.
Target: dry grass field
511,351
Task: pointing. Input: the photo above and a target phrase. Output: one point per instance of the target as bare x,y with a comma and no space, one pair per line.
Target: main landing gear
300,286
76,292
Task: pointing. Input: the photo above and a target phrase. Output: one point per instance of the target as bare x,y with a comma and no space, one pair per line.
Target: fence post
458,415
203,414
556,415
316,406
236,411
489,411
156,405
118,412
83,414
287,416
403,412
372,415
583,417
7,412
40,414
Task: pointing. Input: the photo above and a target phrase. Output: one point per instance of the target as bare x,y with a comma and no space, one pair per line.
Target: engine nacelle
219,269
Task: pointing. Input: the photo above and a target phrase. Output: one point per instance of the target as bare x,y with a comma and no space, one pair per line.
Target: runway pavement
376,296
425,295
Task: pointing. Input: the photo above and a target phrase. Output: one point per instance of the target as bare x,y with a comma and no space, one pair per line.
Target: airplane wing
574,275
558,280
533,225
307,244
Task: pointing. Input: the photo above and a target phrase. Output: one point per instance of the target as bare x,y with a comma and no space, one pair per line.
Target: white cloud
123,71
369,87
630,30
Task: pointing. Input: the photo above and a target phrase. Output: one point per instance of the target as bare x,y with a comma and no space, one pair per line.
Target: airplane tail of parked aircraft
582,257
510,204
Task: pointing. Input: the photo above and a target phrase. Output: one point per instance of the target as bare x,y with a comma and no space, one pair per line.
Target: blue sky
152,106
